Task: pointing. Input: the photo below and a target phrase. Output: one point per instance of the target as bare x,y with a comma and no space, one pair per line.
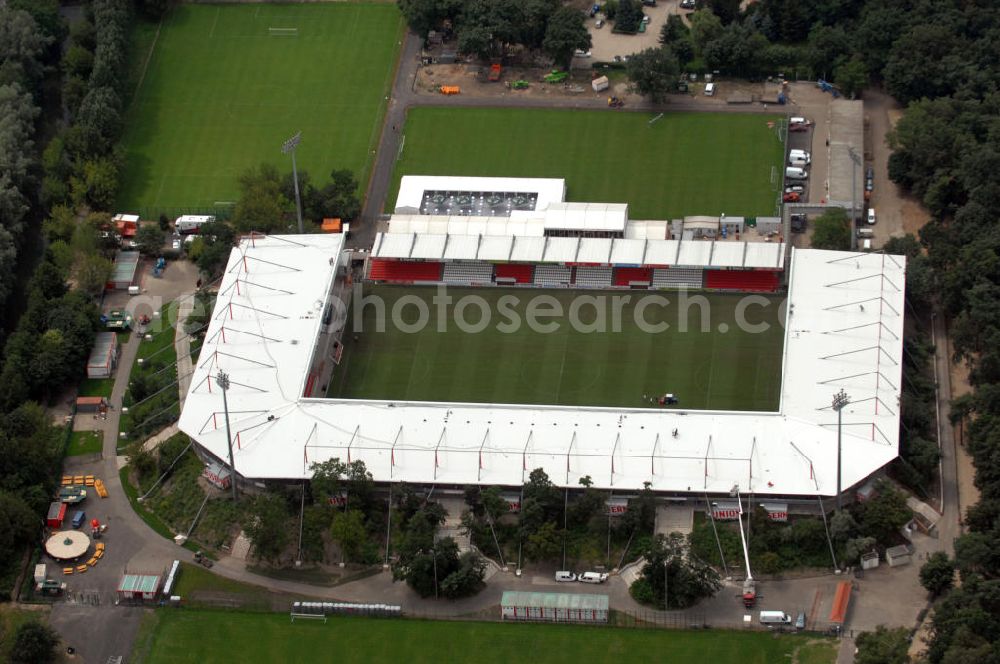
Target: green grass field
85,442
197,636
732,370
221,94
685,163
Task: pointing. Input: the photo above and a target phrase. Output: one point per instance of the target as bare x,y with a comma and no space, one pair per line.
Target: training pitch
207,636
709,364
683,164
226,85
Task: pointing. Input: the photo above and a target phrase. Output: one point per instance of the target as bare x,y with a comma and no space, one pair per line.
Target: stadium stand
677,277
593,277
404,271
553,275
763,281
468,273
626,276
518,272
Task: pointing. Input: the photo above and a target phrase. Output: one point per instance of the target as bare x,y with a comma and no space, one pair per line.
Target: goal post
283,32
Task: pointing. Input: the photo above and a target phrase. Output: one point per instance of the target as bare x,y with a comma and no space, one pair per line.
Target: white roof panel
429,246
609,217
495,247
528,249
728,253
462,247
628,252
648,230
764,254
594,250
662,252
561,249
394,245
695,253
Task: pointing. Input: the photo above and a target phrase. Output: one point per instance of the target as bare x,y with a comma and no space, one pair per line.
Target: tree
856,547
150,239
265,523
832,230
426,15
261,205
34,643
92,272
727,10
467,579
851,77
885,513
628,16
842,526
339,198
348,531
216,240
883,646
938,574
96,185
653,73
545,543
18,523
705,27
565,33
672,578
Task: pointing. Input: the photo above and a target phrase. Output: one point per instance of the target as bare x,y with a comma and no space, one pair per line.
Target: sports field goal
283,32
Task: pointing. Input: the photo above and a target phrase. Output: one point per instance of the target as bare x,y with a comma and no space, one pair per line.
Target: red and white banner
616,506
513,502
338,501
725,511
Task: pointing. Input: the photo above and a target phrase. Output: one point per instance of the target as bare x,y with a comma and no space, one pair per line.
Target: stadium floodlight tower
222,380
840,399
289,147
749,585
855,164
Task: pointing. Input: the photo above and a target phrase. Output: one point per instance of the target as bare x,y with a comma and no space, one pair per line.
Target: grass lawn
194,636
733,370
96,387
221,94
684,164
10,619
85,442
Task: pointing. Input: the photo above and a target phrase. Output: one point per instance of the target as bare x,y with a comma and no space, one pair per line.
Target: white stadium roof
845,329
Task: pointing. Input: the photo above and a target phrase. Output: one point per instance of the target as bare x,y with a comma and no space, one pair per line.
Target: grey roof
555,600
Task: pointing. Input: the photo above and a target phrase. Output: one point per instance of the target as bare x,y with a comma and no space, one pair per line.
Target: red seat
625,275
521,274
763,281
404,271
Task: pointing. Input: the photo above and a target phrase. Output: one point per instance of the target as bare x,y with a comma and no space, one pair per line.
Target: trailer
56,515
192,223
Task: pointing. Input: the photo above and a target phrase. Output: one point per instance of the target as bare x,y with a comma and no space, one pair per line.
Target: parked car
565,576
795,188
649,3
869,178
798,120
645,19
687,4
176,245
581,53
800,620
599,24
79,517
594,10
592,577
871,216
792,197
799,156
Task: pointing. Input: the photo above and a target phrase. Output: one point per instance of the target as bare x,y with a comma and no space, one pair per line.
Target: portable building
600,84
91,404
125,270
135,587
104,356
56,515
554,607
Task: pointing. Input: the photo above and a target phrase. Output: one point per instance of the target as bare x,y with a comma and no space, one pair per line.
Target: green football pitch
705,355
209,636
683,164
223,89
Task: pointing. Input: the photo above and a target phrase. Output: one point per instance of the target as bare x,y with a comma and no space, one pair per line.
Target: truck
117,319
72,495
192,223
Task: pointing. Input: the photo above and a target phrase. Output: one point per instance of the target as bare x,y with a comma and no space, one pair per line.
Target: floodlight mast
222,380
840,399
289,147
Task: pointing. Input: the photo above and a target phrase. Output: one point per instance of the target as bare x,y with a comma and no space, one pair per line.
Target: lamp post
289,147
222,380
855,162
840,399
434,557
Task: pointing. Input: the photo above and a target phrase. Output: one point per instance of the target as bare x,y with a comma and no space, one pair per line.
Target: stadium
312,376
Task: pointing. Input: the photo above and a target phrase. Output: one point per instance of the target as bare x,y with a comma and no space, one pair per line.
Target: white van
796,173
565,576
871,216
592,577
133,290
709,89
799,155
775,618
801,162
866,233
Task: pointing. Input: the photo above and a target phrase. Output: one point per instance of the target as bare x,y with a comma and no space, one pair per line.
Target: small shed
331,225
138,587
126,224
103,356
125,270
898,556
91,404
56,515
600,84
554,607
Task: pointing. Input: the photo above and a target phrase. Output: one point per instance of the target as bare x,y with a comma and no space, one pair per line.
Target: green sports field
222,91
683,164
206,636
572,365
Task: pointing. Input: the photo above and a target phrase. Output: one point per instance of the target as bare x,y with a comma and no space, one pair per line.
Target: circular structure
67,544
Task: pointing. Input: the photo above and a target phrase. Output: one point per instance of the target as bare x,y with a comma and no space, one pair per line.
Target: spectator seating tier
468,273
403,271
763,281
593,277
624,276
519,272
677,277
552,275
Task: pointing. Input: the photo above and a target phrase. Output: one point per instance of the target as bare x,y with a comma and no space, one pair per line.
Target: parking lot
607,44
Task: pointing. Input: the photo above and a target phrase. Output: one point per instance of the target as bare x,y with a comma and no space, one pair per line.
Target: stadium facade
274,333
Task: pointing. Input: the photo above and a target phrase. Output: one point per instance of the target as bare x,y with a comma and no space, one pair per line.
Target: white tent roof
610,217
628,252
695,253
528,249
662,252
462,247
429,246
728,253
594,250
648,230
393,245
844,331
764,254
496,247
